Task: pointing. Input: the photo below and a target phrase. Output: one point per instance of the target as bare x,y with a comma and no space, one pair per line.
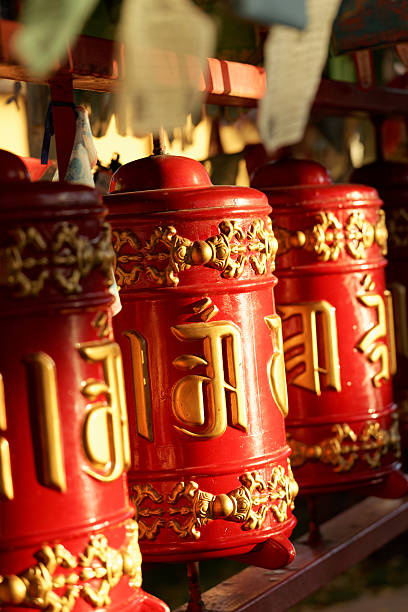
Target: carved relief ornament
248,505
328,238
32,261
345,447
165,254
92,574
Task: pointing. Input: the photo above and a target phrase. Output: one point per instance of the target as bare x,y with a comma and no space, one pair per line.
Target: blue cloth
49,128
268,12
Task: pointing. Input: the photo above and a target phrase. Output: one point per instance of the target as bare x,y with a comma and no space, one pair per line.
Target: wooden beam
346,539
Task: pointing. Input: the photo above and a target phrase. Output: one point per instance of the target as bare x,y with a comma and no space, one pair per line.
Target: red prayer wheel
67,538
203,363
337,329
391,181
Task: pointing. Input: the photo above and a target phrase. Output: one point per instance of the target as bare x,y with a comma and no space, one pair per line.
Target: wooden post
64,118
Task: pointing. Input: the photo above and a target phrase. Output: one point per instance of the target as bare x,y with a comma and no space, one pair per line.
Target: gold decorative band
30,261
249,504
166,253
93,574
329,237
345,447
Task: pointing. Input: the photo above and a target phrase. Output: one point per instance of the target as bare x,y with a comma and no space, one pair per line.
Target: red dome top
159,172
290,172
12,168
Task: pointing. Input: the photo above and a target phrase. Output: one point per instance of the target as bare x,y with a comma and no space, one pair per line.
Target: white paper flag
294,61
166,44
49,25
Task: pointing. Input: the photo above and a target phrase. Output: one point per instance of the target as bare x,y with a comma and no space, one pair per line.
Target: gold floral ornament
137,496
381,232
327,237
128,266
165,254
262,245
94,573
249,504
345,447
360,235
30,261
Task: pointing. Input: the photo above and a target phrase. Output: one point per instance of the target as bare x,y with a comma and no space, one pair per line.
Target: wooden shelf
93,65
346,539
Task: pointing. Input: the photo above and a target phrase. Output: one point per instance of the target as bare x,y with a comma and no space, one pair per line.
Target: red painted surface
302,277
185,199
53,322
391,181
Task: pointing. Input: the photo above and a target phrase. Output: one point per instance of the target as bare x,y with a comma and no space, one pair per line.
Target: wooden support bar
346,539
94,66
64,117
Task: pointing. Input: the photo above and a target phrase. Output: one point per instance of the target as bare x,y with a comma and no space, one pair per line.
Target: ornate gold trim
138,493
359,235
31,261
345,447
165,254
248,505
328,237
381,233
94,573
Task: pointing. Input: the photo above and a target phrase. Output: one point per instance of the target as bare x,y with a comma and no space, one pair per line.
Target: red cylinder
391,181
67,537
203,364
337,329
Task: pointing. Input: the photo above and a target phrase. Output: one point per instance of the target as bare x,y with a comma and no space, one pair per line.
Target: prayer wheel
391,181
203,364
67,537
337,330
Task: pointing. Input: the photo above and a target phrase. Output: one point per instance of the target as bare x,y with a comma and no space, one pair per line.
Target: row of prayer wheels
199,415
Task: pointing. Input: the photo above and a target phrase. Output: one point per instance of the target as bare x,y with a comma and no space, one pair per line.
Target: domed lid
12,168
382,174
290,172
159,172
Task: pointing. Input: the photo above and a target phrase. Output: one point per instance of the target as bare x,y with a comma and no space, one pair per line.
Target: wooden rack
346,539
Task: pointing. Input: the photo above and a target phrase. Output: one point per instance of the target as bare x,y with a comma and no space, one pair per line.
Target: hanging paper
166,44
294,62
48,27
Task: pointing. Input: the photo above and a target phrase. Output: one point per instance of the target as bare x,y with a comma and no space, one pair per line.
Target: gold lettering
141,384
43,403
399,299
105,431
6,479
391,331
276,365
205,404
369,344
308,338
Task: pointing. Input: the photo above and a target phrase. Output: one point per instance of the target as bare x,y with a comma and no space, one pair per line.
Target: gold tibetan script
309,340
373,344
141,384
6,480
105,433
276,365
203,405
43,405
